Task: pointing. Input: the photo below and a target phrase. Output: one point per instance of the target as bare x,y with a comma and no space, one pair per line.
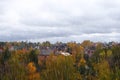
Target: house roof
45,51
65,53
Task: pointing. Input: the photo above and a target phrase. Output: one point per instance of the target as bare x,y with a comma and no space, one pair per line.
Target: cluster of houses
90,50
56,49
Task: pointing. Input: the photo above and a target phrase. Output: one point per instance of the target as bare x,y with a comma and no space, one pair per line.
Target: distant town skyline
60,20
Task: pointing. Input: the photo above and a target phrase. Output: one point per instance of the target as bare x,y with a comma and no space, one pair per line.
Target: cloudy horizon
60,20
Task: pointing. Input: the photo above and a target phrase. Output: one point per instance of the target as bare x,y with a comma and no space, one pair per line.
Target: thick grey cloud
59,20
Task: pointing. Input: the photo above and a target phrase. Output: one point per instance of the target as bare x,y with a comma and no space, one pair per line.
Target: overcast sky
60,20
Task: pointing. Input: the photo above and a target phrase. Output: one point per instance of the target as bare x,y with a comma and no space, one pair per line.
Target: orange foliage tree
32,73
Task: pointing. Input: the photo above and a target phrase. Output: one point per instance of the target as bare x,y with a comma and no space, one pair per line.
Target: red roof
1,48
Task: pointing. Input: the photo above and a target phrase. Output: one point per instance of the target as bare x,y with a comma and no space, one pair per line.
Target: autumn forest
59,61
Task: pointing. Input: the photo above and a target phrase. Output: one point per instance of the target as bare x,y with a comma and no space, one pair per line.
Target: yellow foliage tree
86,43
81,62
32,73
60,68
103,70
